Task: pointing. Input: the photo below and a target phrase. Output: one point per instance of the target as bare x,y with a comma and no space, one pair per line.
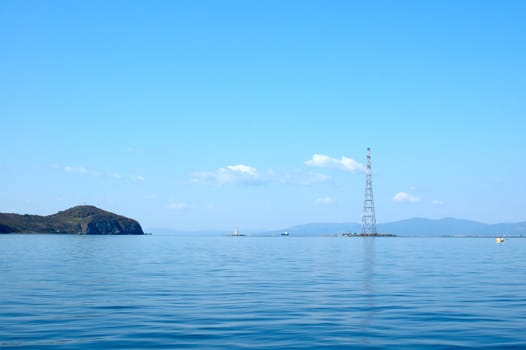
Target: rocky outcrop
84,219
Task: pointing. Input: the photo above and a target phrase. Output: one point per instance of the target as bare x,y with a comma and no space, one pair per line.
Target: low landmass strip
84,219
354,234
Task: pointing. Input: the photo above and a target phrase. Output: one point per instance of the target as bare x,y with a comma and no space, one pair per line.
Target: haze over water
166,292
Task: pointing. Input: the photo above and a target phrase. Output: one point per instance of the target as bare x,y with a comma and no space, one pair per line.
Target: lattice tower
368,216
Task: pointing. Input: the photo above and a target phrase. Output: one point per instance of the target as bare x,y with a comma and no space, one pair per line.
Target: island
348,234
83,219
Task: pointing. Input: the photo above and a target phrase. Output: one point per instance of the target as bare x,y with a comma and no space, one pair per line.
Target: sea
196,292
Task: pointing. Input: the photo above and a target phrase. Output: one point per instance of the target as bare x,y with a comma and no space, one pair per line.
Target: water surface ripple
167,292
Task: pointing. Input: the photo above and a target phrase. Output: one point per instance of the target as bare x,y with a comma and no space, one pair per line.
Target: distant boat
500,239
285,233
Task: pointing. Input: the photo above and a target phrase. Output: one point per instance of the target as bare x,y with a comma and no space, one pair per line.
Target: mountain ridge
411,227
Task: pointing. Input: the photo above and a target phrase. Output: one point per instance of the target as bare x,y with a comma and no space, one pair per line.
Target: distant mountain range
413,227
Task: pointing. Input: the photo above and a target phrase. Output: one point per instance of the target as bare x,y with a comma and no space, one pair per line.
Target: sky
198,115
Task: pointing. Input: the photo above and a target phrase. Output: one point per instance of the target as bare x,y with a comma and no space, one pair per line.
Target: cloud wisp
343,164
232,174
81,170
324,201
137,178
242,174
404,197
301,178
177,206
90,172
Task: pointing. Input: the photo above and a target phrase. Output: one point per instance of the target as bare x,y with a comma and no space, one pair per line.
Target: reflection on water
368,284
165,292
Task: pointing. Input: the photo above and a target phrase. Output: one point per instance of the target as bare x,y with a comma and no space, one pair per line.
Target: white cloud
403,197
345,163
437,202
243,169
248,175
232,174
324,200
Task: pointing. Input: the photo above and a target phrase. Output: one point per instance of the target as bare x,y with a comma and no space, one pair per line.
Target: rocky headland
84,219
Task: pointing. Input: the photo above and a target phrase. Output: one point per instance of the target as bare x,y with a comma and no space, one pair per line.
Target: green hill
85,219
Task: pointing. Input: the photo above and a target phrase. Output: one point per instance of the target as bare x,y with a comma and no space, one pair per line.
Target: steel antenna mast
368,216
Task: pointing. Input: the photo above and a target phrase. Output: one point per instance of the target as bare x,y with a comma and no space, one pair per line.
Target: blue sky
212,114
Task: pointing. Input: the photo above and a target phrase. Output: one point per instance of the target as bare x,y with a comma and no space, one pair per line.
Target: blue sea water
170,292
